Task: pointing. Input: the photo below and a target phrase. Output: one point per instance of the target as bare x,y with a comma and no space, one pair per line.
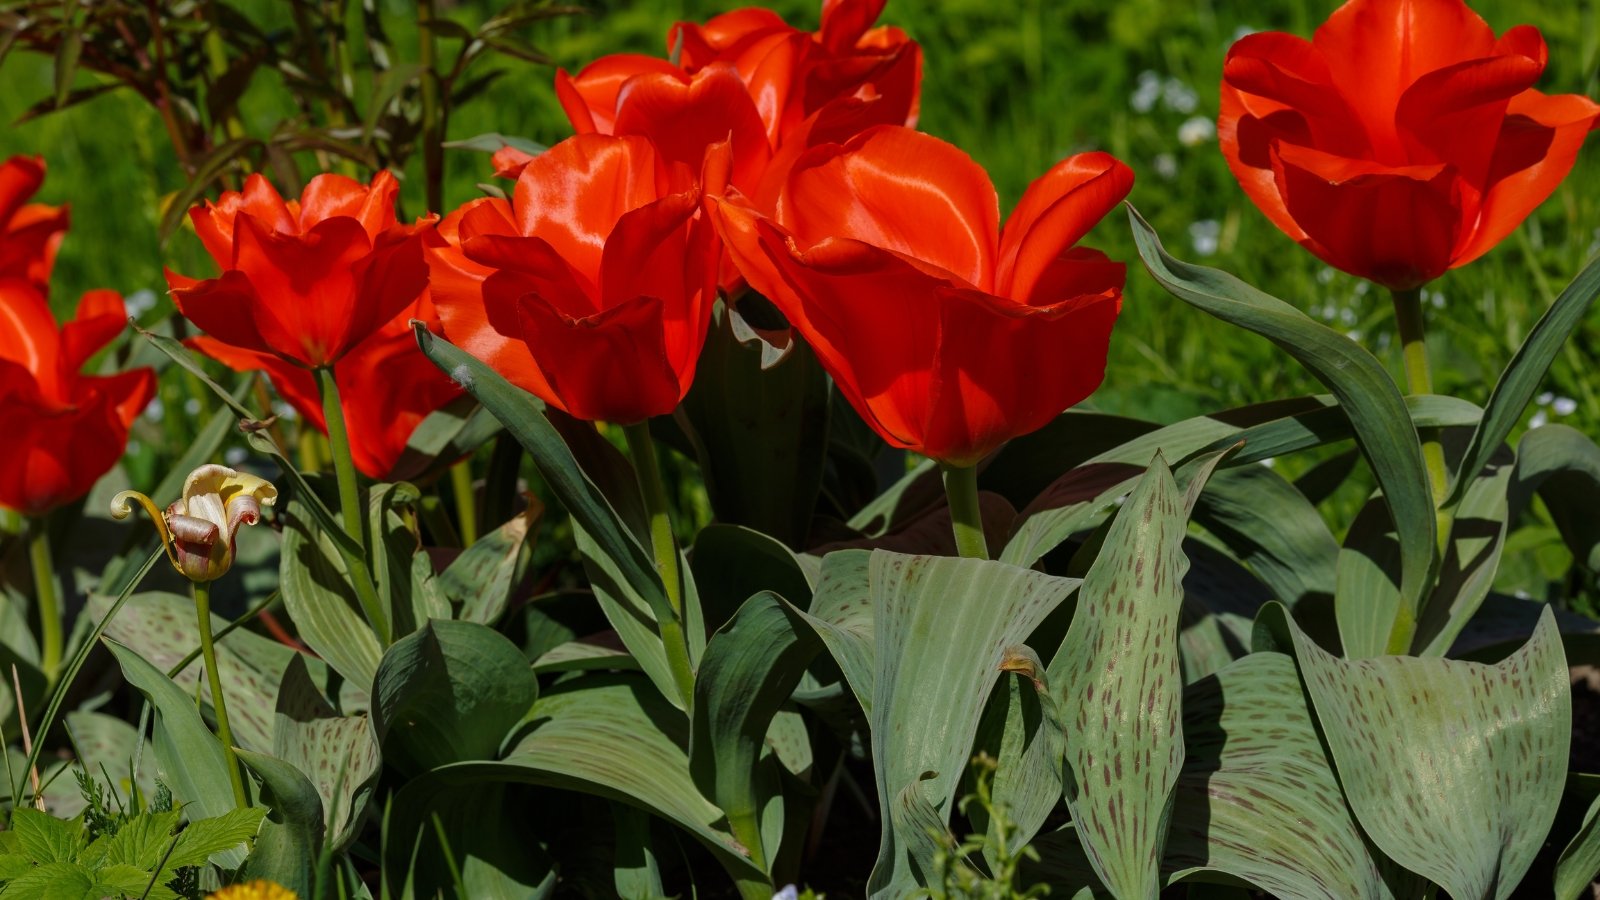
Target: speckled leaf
481,578
750,668
1076,500
841,614
1454,769
600,651
338,754
614,736
393,544
942,628
318,596
1119,686
1471,560
105,745
1023,725
162,629
451,692
1257,798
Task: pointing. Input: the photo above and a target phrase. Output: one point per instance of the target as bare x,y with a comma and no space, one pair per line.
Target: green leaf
451,692
54,881
1257,797
68,52
338,754
105,746
942,626
1580,859
394,543
842,615
292,835
1563,466
1454,769
1365,391
1270,526
205,838
1367,586
1471,558
446,435
1025,724
190,757
1119,688
751,666
490,141
731,564
486,853
613,736
760,435
482,577
320,598
1525,372
631,615
1075,501
143,841
45,838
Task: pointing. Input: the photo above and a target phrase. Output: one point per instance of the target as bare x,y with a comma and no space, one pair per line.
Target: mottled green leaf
319,597
337,754
291,838
1453,768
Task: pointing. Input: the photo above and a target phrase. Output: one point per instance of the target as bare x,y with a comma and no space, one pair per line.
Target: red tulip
947,334
29,232
1403,140
307,280
593,288
63,429
386,389
749,78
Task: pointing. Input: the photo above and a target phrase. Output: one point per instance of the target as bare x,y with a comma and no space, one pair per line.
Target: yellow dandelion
255,890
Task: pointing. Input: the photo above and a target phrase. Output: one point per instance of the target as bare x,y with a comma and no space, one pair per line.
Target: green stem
466,501
670,620
48,600
432,112
961,489
202,609
344,470
1419,382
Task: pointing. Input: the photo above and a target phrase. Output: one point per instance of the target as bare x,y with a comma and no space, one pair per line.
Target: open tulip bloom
947,334
1402,140
29,232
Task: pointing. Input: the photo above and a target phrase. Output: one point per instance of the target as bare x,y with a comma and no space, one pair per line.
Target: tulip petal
611,366
900,190
571,195
101,317
1393,225
724,35
220,307
28,244
1377,48
307,287
1538,145
509,162
1270,73
522,265
28,335
845,21
1453,114
683,118
1055,212
590,98
327,196
297,385
387,387
1076,278
1004,370
214,223
393,278
20,178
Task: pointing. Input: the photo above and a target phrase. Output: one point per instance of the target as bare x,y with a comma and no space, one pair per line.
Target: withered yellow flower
259,889
199,528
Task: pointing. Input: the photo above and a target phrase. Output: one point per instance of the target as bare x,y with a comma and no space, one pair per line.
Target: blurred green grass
1018,85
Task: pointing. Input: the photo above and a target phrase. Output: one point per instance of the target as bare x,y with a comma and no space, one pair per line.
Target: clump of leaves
105,852
957,871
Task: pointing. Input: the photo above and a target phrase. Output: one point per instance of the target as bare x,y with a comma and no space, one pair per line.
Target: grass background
1018,85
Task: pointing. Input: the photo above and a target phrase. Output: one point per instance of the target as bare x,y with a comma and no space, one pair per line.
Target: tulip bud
198,529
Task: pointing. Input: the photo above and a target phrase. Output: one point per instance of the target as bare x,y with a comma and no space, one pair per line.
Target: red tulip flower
29,232
749,78
947,334
1403,140
63,429
386,389
306,281
593,288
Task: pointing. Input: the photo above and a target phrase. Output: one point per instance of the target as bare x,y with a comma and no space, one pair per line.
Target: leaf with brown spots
337,754
1119,687
1454,768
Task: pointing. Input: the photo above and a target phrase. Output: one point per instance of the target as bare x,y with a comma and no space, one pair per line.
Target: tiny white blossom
1196,130
1166,165
1539,420
1205,236
1564,406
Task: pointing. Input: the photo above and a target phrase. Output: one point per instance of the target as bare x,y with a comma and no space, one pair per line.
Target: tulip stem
48,599
966,518
344,470
643,449
466,501
202,609
1419,382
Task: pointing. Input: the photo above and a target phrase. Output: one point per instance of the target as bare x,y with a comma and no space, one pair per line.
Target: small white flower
1196,130
1564,406
1166,165
191,406
1539,420
1147,93
1205,235
789,892
139,302
155,411
235,457
1545,399
1179,97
